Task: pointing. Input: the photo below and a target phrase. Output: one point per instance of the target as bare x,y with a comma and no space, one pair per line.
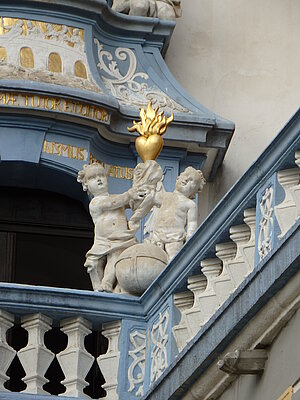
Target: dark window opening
44,237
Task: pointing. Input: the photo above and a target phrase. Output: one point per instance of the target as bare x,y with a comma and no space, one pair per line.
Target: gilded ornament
151,128
287,395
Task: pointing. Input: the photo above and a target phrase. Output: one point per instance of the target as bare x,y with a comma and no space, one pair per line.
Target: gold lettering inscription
56,104
80,154
65,150
115,171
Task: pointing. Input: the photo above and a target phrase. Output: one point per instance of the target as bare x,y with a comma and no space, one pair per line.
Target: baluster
35,357
109,362
249,249
295,190
183,301
206,301
75,361
7,353
197,285
286,212
224,285
238,268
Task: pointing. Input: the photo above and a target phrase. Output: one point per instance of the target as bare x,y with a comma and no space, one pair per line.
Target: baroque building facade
222,319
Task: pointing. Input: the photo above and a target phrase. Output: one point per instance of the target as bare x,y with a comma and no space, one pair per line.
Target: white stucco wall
282,369
240,59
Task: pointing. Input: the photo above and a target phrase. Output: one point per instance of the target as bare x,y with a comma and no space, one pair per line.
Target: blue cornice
147,39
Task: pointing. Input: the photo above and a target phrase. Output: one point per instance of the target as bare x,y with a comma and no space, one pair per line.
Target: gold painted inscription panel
55,104
81,154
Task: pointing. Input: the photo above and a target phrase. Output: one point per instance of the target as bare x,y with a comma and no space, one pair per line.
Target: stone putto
117,262
112,235
163,9
176,212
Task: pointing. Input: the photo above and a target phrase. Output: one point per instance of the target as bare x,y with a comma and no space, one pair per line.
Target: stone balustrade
235,259
74,361
140,331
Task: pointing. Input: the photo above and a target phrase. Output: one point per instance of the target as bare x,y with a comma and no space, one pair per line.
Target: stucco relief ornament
266,223
159,340
130,87
136,370
40,51
116,262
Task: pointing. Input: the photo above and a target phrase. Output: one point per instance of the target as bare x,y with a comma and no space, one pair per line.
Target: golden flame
152,122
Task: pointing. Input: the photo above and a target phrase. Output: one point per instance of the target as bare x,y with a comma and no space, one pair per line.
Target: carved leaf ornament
130,88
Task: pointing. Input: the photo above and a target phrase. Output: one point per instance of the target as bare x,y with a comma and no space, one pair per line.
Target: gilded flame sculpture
117,262
151,128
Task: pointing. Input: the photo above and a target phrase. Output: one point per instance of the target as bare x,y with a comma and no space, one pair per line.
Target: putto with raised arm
117,262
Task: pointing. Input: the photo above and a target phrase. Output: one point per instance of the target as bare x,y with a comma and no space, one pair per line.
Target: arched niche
44,237
80,70
26,57
45,227
54,63
3,54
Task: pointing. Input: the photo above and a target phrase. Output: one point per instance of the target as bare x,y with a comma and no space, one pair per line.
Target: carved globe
138,266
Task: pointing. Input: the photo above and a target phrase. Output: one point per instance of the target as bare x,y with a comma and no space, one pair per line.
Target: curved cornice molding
123,69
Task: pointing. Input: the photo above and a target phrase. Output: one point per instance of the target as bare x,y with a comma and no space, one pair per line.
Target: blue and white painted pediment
87,63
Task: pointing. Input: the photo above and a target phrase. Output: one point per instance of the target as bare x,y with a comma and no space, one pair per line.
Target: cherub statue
175,219
112,235
164,9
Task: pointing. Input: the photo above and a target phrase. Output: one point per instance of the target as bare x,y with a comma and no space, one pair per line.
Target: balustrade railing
33,355
140,332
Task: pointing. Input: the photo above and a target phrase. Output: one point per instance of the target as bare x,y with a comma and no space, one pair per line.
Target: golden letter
93,111
118,170
84,110
80,154
10,98
3,98
112,171
92,159
26,99
47,103
56,147
64,148
67,105
130,173
75,104
47,148
57,104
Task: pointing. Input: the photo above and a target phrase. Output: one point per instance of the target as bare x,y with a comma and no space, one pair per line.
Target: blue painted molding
62,303
148,39
215,229
248,299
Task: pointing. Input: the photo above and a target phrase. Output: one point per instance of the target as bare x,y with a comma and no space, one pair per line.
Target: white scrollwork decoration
136,371
159,339
266,223
131,88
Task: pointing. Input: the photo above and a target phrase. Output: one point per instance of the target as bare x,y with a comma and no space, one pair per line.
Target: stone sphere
138,266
